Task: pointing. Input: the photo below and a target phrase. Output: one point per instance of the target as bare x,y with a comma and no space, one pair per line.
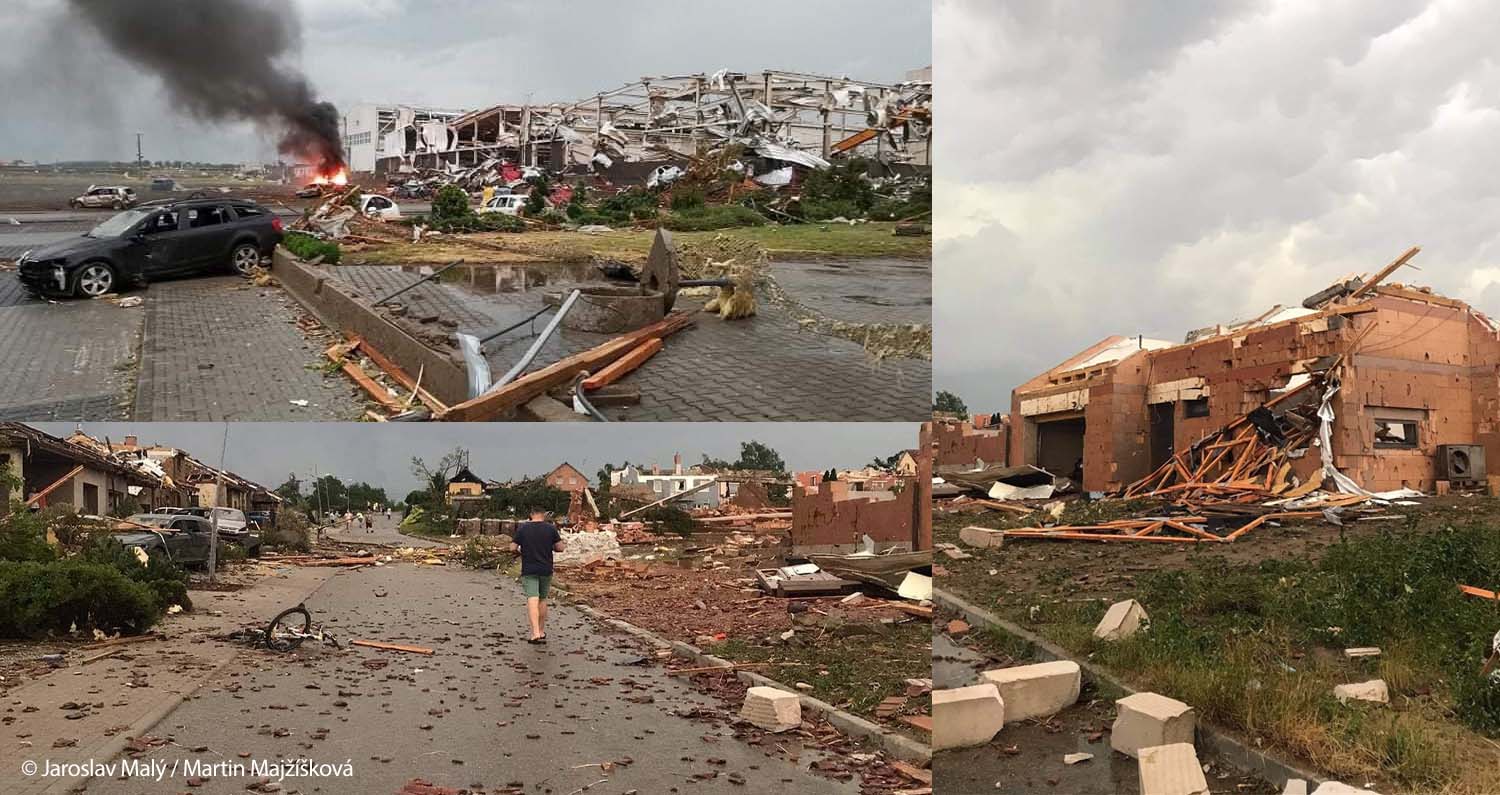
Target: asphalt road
382,531
487,711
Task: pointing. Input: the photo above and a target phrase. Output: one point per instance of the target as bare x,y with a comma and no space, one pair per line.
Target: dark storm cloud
1146,169
381,454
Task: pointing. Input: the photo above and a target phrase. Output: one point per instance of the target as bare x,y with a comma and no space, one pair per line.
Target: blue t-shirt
536,540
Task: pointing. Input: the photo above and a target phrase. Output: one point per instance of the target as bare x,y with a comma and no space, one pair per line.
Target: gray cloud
1149,168
381,454
437,52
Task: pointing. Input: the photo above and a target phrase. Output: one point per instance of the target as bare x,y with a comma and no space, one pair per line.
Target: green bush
37,599
450,203
166,580
669,519
687,199
713,217
307,247
536,201
635,204
825,209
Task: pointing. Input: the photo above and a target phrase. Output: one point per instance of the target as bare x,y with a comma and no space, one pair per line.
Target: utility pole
139,161
213,540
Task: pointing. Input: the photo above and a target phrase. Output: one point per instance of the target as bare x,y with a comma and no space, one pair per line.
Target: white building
374,131
678,481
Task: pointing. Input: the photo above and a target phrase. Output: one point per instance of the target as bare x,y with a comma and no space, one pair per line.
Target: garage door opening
1060,447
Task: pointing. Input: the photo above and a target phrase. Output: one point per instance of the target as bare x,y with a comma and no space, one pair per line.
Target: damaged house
1415,395
54,471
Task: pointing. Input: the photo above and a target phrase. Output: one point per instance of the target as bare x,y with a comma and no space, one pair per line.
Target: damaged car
180,538
113,196
154,240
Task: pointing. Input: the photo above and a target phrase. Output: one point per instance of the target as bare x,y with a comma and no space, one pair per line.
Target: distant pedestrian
535,541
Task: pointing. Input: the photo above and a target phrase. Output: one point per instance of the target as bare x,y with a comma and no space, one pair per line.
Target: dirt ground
853,656
1059,588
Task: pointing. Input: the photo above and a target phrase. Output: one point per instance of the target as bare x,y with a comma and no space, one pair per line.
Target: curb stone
897,745
1274,770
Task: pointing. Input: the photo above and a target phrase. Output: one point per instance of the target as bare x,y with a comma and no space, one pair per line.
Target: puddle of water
502,279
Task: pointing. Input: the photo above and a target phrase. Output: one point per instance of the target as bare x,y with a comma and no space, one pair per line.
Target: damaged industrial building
650,129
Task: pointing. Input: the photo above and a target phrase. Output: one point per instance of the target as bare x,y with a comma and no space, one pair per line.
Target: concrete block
1149,719
981,537
1171,769
966,716
1338,788
1121,620
1362,651
1295,786
1373,690
772,709
1036,691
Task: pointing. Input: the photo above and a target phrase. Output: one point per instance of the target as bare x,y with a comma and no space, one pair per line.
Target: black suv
165,238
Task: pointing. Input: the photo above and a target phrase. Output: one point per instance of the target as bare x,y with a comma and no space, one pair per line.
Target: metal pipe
514,326
427,278
537,344
578,397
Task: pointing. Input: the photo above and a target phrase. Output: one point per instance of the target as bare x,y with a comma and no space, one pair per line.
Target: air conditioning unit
1460,462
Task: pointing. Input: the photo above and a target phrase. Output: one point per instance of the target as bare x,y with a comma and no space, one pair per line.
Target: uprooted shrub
307,247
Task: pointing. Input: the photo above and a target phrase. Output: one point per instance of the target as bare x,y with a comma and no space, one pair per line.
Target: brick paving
764,368
221,349
70,360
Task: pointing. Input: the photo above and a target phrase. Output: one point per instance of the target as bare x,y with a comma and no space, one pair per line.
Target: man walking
536,540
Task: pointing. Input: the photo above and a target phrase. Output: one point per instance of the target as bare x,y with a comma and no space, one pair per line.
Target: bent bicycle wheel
287,630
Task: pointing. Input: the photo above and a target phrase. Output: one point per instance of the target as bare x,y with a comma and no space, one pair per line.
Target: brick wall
829,517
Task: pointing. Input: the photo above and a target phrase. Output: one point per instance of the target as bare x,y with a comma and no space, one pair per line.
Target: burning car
167,238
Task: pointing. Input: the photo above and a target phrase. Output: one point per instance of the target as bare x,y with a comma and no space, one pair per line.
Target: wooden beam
1384,272
337,353
623,366
398,374
498,401
54,484
375,644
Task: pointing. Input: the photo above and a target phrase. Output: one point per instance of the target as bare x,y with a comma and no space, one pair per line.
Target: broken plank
506,398
375,644
916,610
400,375
623,366
912,772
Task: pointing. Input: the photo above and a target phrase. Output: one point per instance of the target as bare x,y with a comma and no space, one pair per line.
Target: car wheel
93,280
245,258
119,205
73,203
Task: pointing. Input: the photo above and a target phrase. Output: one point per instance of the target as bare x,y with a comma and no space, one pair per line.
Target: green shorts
536,585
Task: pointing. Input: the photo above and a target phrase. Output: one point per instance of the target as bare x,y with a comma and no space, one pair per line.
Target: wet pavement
383,531
1027,758
487,711
763,368
861,291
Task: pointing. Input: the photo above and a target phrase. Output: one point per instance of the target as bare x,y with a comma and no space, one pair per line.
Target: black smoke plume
223,61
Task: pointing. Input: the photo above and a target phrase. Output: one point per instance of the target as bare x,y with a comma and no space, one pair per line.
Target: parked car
182,538
163,184
166,238
109,196
509,204
259,519
373,205
231,520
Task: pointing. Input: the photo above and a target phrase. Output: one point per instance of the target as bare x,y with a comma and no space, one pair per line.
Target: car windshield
118,223
148,519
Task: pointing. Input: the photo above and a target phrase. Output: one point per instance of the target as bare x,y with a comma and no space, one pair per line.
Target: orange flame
340,177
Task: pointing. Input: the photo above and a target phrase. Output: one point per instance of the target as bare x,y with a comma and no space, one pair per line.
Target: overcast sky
1153,167
381,454
67,98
